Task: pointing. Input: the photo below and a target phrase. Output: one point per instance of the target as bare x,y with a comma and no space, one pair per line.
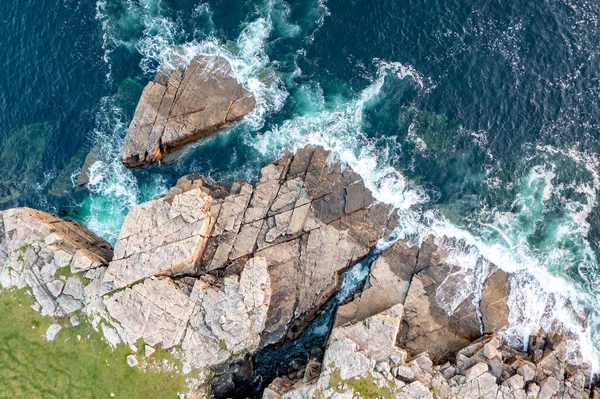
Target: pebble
132,361
52,331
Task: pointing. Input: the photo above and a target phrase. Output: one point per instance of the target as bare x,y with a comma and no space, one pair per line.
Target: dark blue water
477,119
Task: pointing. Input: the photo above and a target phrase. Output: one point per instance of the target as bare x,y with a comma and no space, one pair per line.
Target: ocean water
478,120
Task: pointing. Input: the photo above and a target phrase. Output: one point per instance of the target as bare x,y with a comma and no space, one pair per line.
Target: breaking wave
542,294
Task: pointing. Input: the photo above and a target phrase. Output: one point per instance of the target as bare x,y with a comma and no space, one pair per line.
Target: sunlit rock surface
363,360
51,256
182,106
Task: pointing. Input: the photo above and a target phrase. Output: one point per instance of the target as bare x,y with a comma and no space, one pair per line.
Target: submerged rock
21,158
90,159
63,183
182,107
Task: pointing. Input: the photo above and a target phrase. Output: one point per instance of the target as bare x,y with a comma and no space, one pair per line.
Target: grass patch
68,367
222,345
65,272
365,387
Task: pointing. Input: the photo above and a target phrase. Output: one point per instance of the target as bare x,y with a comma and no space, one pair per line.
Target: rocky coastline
219,273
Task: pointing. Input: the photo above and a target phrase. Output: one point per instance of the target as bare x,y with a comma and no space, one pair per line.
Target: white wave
542,296
340,129
322,12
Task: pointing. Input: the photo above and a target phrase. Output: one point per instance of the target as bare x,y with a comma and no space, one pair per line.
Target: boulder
182,107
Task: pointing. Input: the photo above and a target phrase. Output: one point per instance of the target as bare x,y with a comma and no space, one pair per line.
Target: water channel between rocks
274,361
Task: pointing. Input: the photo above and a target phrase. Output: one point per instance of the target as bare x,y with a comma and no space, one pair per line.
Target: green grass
223,345
366,387
67,367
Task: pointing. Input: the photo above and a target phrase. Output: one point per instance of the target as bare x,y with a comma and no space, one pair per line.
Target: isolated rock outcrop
183,106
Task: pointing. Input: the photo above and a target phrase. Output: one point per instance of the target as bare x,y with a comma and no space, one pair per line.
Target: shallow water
478,120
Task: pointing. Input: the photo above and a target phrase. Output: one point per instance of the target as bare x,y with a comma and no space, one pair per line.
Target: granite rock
183,106
35,247
162,238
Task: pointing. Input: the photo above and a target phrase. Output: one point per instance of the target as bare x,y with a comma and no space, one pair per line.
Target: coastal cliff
216,274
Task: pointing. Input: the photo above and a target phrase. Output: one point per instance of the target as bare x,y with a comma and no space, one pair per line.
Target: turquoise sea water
478,120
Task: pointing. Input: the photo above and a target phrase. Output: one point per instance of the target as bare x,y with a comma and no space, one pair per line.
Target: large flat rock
182,107
163,237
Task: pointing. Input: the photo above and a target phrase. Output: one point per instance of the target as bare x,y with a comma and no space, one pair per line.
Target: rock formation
162,237
218,273
441,314
182,106
417,329
363,360
221,273
299,220
51,256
